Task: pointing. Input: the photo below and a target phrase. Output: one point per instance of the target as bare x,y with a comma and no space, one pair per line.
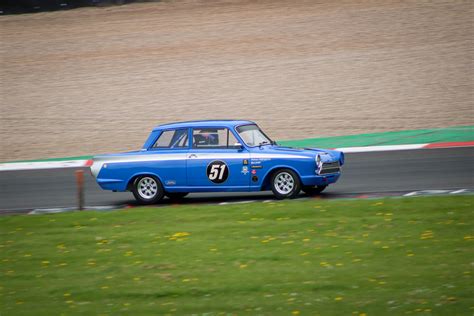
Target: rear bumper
320,179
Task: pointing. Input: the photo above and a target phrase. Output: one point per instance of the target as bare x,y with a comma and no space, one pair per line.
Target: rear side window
172,139
214,138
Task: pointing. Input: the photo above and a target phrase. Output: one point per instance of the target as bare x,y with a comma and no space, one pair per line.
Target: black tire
147,190
290,184
313,190
176,195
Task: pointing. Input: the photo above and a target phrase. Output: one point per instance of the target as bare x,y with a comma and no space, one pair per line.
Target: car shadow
228,198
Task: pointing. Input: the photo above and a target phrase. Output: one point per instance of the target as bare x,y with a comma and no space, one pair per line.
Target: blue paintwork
180,173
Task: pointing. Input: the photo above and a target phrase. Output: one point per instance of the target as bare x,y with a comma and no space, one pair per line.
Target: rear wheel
313,190
147,190
176,195
285,184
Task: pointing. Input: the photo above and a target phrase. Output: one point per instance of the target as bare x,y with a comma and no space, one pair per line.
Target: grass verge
344,257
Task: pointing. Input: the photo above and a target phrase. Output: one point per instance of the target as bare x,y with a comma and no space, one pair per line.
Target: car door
216,161
167,157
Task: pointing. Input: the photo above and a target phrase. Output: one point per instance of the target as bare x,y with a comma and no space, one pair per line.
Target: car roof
203,123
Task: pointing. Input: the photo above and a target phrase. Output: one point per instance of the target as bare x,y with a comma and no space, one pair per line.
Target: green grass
421,136
346,257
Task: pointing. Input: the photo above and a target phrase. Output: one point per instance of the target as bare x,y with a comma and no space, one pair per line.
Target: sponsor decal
257,167
254,171
246,162
217,171
170,182
254,178
245,170
260,160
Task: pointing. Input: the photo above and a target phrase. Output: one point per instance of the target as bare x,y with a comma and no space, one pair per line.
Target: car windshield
253,136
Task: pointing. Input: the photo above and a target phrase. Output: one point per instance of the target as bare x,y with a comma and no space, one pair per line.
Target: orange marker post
80,188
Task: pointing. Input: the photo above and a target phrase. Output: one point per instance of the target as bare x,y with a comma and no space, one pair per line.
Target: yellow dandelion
67,294
295,312
339,298
243,266
181,234
136,279
306,239
105,287
45,262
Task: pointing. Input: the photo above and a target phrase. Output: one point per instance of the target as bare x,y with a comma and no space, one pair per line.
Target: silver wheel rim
284,183
147,188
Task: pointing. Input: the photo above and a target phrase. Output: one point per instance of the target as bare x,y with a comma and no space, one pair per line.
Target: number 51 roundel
217,171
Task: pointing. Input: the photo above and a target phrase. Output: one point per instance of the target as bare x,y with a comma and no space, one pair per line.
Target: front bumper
320,179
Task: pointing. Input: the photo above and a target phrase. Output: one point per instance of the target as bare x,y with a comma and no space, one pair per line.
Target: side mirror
239,146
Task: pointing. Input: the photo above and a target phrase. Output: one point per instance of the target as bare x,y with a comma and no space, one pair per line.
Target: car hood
326,155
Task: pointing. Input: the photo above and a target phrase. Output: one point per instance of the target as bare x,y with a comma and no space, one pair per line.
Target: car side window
213,138
172,139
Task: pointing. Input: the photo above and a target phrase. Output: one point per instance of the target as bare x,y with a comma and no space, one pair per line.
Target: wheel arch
136,175
266,179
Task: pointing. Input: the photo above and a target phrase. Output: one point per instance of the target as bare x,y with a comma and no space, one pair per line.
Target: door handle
192,156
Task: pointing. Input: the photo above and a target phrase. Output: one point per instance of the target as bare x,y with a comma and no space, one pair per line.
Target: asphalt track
375,173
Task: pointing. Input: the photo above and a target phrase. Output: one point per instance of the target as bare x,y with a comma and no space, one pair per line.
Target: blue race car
215,156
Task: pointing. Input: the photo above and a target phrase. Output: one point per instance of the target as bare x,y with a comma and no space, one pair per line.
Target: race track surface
381,173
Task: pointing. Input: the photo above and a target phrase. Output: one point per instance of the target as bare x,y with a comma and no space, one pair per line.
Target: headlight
319,163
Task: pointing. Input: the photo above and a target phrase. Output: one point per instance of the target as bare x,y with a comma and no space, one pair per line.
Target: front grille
330,167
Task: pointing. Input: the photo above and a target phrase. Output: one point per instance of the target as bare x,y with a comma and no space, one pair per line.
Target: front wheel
147,190
285,184
313,190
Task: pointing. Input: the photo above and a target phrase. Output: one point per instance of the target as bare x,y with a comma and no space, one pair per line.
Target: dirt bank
97,80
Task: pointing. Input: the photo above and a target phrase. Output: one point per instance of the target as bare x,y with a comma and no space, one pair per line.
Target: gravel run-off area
96,80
